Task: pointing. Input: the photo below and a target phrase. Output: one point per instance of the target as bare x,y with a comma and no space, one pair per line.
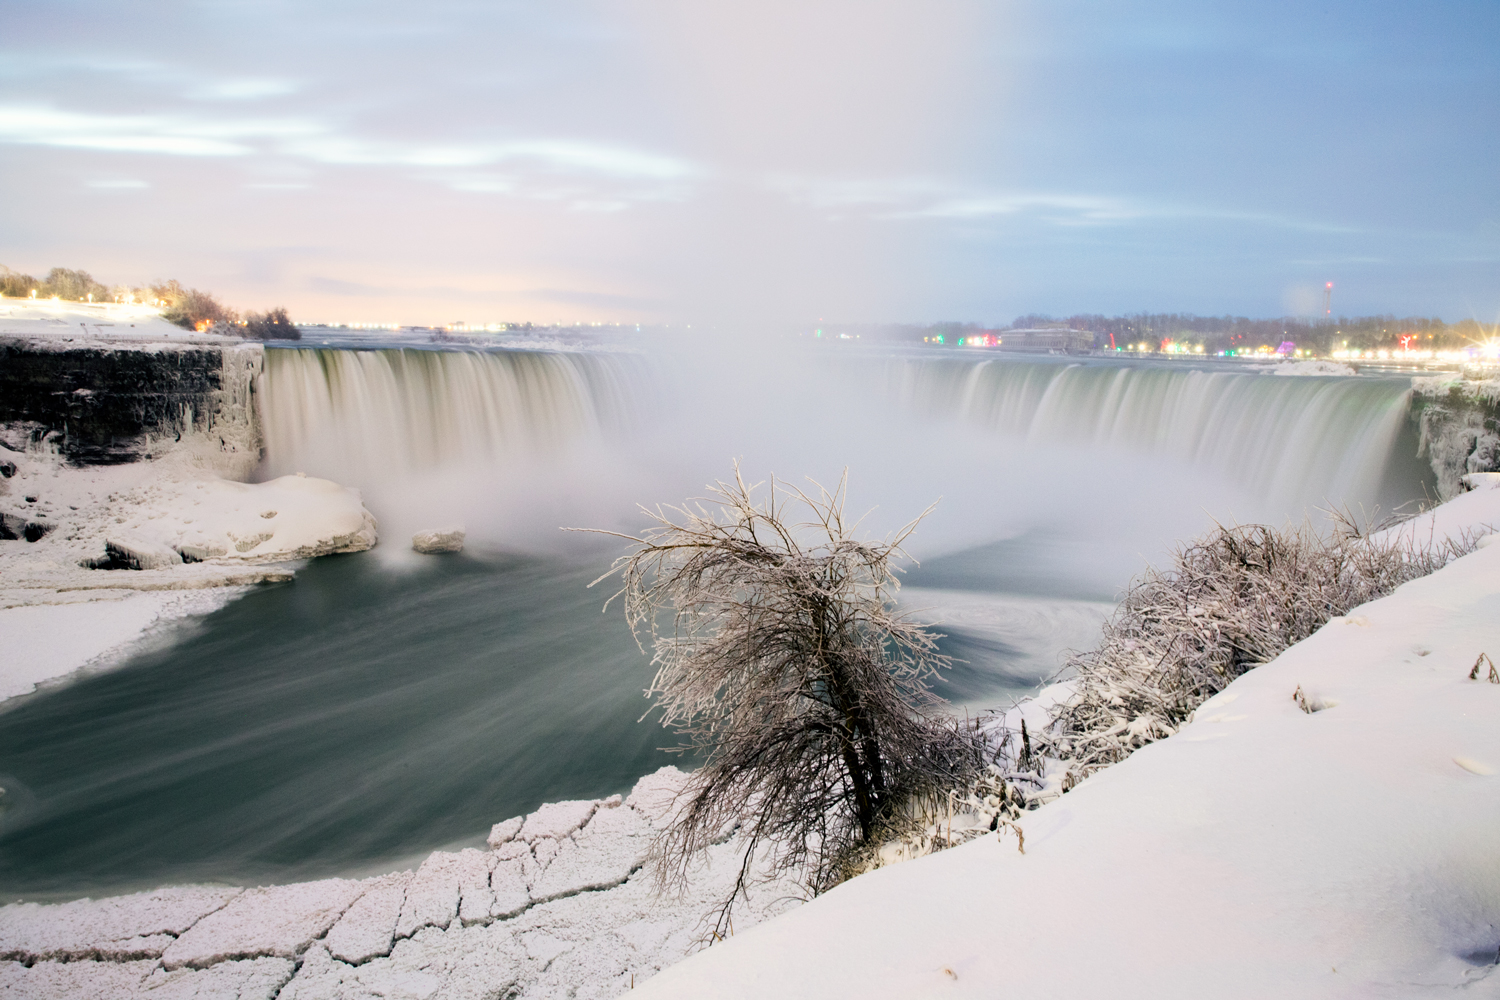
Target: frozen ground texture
1343,850
559,905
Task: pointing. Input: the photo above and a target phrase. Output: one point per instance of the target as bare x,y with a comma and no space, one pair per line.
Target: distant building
1050,340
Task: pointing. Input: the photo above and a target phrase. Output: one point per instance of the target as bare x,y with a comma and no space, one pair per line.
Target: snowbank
1345,849
1318,367
93,322
561,905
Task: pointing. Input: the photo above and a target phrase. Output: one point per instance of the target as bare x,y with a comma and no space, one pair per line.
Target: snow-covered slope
1264,851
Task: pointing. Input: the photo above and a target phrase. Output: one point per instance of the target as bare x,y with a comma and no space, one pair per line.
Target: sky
776,162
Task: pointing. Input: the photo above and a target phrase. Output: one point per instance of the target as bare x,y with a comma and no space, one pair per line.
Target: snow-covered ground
91,322
1342,849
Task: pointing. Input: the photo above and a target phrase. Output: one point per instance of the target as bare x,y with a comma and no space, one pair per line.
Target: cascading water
410,410
1292,439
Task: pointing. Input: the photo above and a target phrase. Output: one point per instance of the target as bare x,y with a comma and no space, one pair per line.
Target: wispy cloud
591,176
906,199
168,135
117,185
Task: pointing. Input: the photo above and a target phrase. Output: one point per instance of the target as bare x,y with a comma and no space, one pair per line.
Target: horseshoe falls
386,704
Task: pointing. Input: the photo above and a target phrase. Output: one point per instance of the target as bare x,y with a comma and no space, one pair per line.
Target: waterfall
1310,437
358,413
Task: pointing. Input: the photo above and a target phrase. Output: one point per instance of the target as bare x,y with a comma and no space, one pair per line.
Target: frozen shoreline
558,905
177,541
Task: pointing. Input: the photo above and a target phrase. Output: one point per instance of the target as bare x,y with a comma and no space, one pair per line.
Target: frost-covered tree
782,660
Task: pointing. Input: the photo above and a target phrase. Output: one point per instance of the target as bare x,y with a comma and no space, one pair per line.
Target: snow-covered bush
1231,601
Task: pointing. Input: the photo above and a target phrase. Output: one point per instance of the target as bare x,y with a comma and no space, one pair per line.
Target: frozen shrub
273,324
788,671
1231,601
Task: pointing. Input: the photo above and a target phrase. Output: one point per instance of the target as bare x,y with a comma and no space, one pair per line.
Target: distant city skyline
670,162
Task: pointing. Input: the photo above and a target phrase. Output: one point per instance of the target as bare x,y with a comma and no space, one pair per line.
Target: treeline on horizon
186,307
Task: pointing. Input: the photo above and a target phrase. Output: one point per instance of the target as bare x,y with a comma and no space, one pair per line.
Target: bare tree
788,669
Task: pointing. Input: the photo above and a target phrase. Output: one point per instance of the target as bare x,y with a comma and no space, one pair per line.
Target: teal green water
356,716
345,723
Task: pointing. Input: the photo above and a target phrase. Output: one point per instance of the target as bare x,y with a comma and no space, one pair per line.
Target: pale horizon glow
667,162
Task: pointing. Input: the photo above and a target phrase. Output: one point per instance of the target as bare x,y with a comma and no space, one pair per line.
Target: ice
432,895
368,928
252,979
122,927
76,981
556,820
1265,850
438,540
279,921
505,831
655,795
167,526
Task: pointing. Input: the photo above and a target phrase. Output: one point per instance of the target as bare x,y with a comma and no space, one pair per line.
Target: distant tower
1328,299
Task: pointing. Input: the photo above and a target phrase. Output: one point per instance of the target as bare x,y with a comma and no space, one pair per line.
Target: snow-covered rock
438,540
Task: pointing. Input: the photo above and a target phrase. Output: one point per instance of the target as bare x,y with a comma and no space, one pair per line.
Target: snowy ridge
1322,828
558,905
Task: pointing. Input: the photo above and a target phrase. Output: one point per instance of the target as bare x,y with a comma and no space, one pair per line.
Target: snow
47,641
82,323
1324,827
1314,367
1265,850
277,921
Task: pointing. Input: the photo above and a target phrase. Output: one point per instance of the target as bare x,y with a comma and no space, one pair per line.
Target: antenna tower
1328,299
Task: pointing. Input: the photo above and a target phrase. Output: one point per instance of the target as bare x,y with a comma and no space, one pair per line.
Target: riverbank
132,540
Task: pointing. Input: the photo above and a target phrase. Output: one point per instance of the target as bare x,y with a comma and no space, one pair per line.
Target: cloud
590,176
159,134
118,185
245,89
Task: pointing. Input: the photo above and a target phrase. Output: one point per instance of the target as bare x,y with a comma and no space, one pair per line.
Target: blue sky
695,162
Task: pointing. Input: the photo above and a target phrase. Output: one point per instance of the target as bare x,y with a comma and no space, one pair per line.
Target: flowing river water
385,704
